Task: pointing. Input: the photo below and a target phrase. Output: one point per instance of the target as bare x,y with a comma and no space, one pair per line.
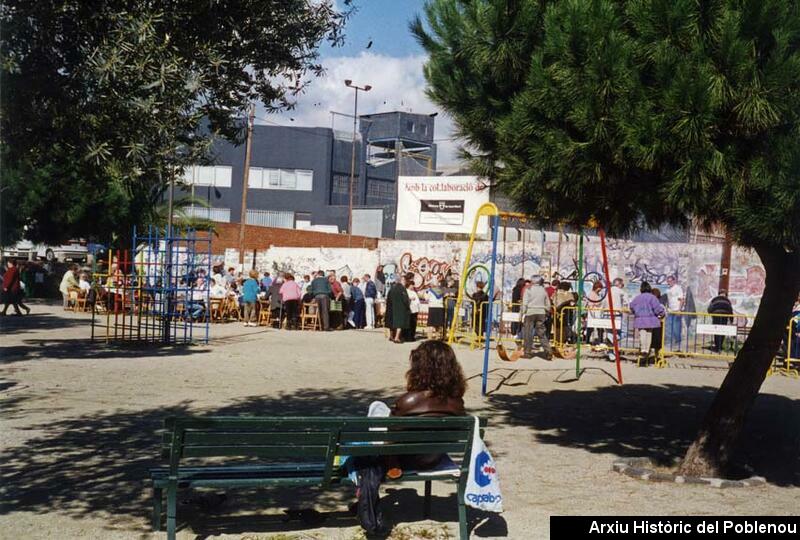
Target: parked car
73,250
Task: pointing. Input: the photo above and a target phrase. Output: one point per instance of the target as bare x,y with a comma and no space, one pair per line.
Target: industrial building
300,176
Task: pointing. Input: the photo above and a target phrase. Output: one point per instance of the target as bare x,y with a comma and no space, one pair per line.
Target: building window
341,184
201,175
378,189
286,179
340,189
302,220
410,126
214,214
271,218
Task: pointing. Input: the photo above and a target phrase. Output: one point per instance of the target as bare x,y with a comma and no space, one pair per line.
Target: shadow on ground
38,322
96,465
657,421
81,349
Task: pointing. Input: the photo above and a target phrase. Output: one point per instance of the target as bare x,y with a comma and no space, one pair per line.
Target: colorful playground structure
148,293
576,328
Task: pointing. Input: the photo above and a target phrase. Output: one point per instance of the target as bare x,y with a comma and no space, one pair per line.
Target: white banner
717,329
445,204
599,323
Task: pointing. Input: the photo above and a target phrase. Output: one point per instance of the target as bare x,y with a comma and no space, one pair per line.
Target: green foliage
104,102
630,112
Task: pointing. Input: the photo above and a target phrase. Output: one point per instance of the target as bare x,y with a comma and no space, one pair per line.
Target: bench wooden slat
405,436
278,468
266,438
400,449
255,482
315,423
257,451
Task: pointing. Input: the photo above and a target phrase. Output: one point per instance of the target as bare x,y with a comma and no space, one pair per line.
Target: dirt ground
80,420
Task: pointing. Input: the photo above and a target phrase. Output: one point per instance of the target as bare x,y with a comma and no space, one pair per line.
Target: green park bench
301,451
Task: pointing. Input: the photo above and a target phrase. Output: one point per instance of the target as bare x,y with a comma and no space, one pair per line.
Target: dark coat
398,304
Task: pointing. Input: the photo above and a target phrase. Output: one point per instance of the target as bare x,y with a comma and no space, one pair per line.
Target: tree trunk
710,452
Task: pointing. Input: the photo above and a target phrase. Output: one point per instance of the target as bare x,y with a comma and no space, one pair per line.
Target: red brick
260,238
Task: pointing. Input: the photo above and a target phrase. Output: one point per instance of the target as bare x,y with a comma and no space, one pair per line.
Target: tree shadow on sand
39,322
85,349
656,421
97,465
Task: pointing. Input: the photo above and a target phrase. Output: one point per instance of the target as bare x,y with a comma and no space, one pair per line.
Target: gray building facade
300,176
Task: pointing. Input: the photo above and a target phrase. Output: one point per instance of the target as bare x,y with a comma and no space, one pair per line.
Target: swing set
496,218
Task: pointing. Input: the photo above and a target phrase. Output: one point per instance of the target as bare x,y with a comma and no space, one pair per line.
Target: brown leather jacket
422,403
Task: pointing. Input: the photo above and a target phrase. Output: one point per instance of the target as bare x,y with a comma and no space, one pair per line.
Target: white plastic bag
483,485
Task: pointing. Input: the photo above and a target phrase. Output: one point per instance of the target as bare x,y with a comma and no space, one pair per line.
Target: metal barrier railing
710,336
705,335
465,331
792,350
502,320
596,331
509,323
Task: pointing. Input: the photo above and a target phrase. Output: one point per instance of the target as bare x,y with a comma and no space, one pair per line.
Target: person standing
647,314
720,305
398,310
266,281
338,294
250,290
230,277
596,307
304,285
275,303
290,296
68,281
12,289
380,280
618,295
535,306
321,291
356,319
413,307
481,300
675,302
516,303
435,297
370,295
347,298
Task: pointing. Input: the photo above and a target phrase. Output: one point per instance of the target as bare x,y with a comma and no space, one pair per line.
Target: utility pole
725,264
365,88
245,182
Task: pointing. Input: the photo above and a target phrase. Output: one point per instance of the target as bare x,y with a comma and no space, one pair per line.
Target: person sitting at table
196,299
217,290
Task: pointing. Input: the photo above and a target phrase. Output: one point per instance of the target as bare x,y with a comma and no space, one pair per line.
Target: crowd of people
398,303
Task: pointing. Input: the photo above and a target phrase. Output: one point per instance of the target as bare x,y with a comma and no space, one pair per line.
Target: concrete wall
696,265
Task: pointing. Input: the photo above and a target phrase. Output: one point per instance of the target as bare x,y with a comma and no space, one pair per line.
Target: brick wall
260,238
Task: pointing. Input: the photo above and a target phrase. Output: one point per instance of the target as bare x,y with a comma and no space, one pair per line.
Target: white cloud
397,84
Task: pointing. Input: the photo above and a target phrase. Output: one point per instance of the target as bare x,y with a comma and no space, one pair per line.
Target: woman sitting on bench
435,386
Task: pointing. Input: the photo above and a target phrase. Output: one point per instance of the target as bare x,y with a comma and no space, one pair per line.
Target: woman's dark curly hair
434,368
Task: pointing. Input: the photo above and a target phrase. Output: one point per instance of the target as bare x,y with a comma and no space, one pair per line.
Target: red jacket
11,279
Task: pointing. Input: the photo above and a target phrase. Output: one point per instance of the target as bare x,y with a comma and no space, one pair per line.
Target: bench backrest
315,439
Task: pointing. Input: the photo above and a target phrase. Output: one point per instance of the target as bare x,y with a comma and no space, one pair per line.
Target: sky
392,65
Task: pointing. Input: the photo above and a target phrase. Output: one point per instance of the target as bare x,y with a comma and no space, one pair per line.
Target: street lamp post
365,88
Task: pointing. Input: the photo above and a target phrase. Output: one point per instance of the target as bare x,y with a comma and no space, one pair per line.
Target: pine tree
640,113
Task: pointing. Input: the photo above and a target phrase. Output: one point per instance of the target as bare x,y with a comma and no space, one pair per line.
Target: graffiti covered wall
697,266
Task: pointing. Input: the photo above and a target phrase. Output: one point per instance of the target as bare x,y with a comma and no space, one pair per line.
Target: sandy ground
79,426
